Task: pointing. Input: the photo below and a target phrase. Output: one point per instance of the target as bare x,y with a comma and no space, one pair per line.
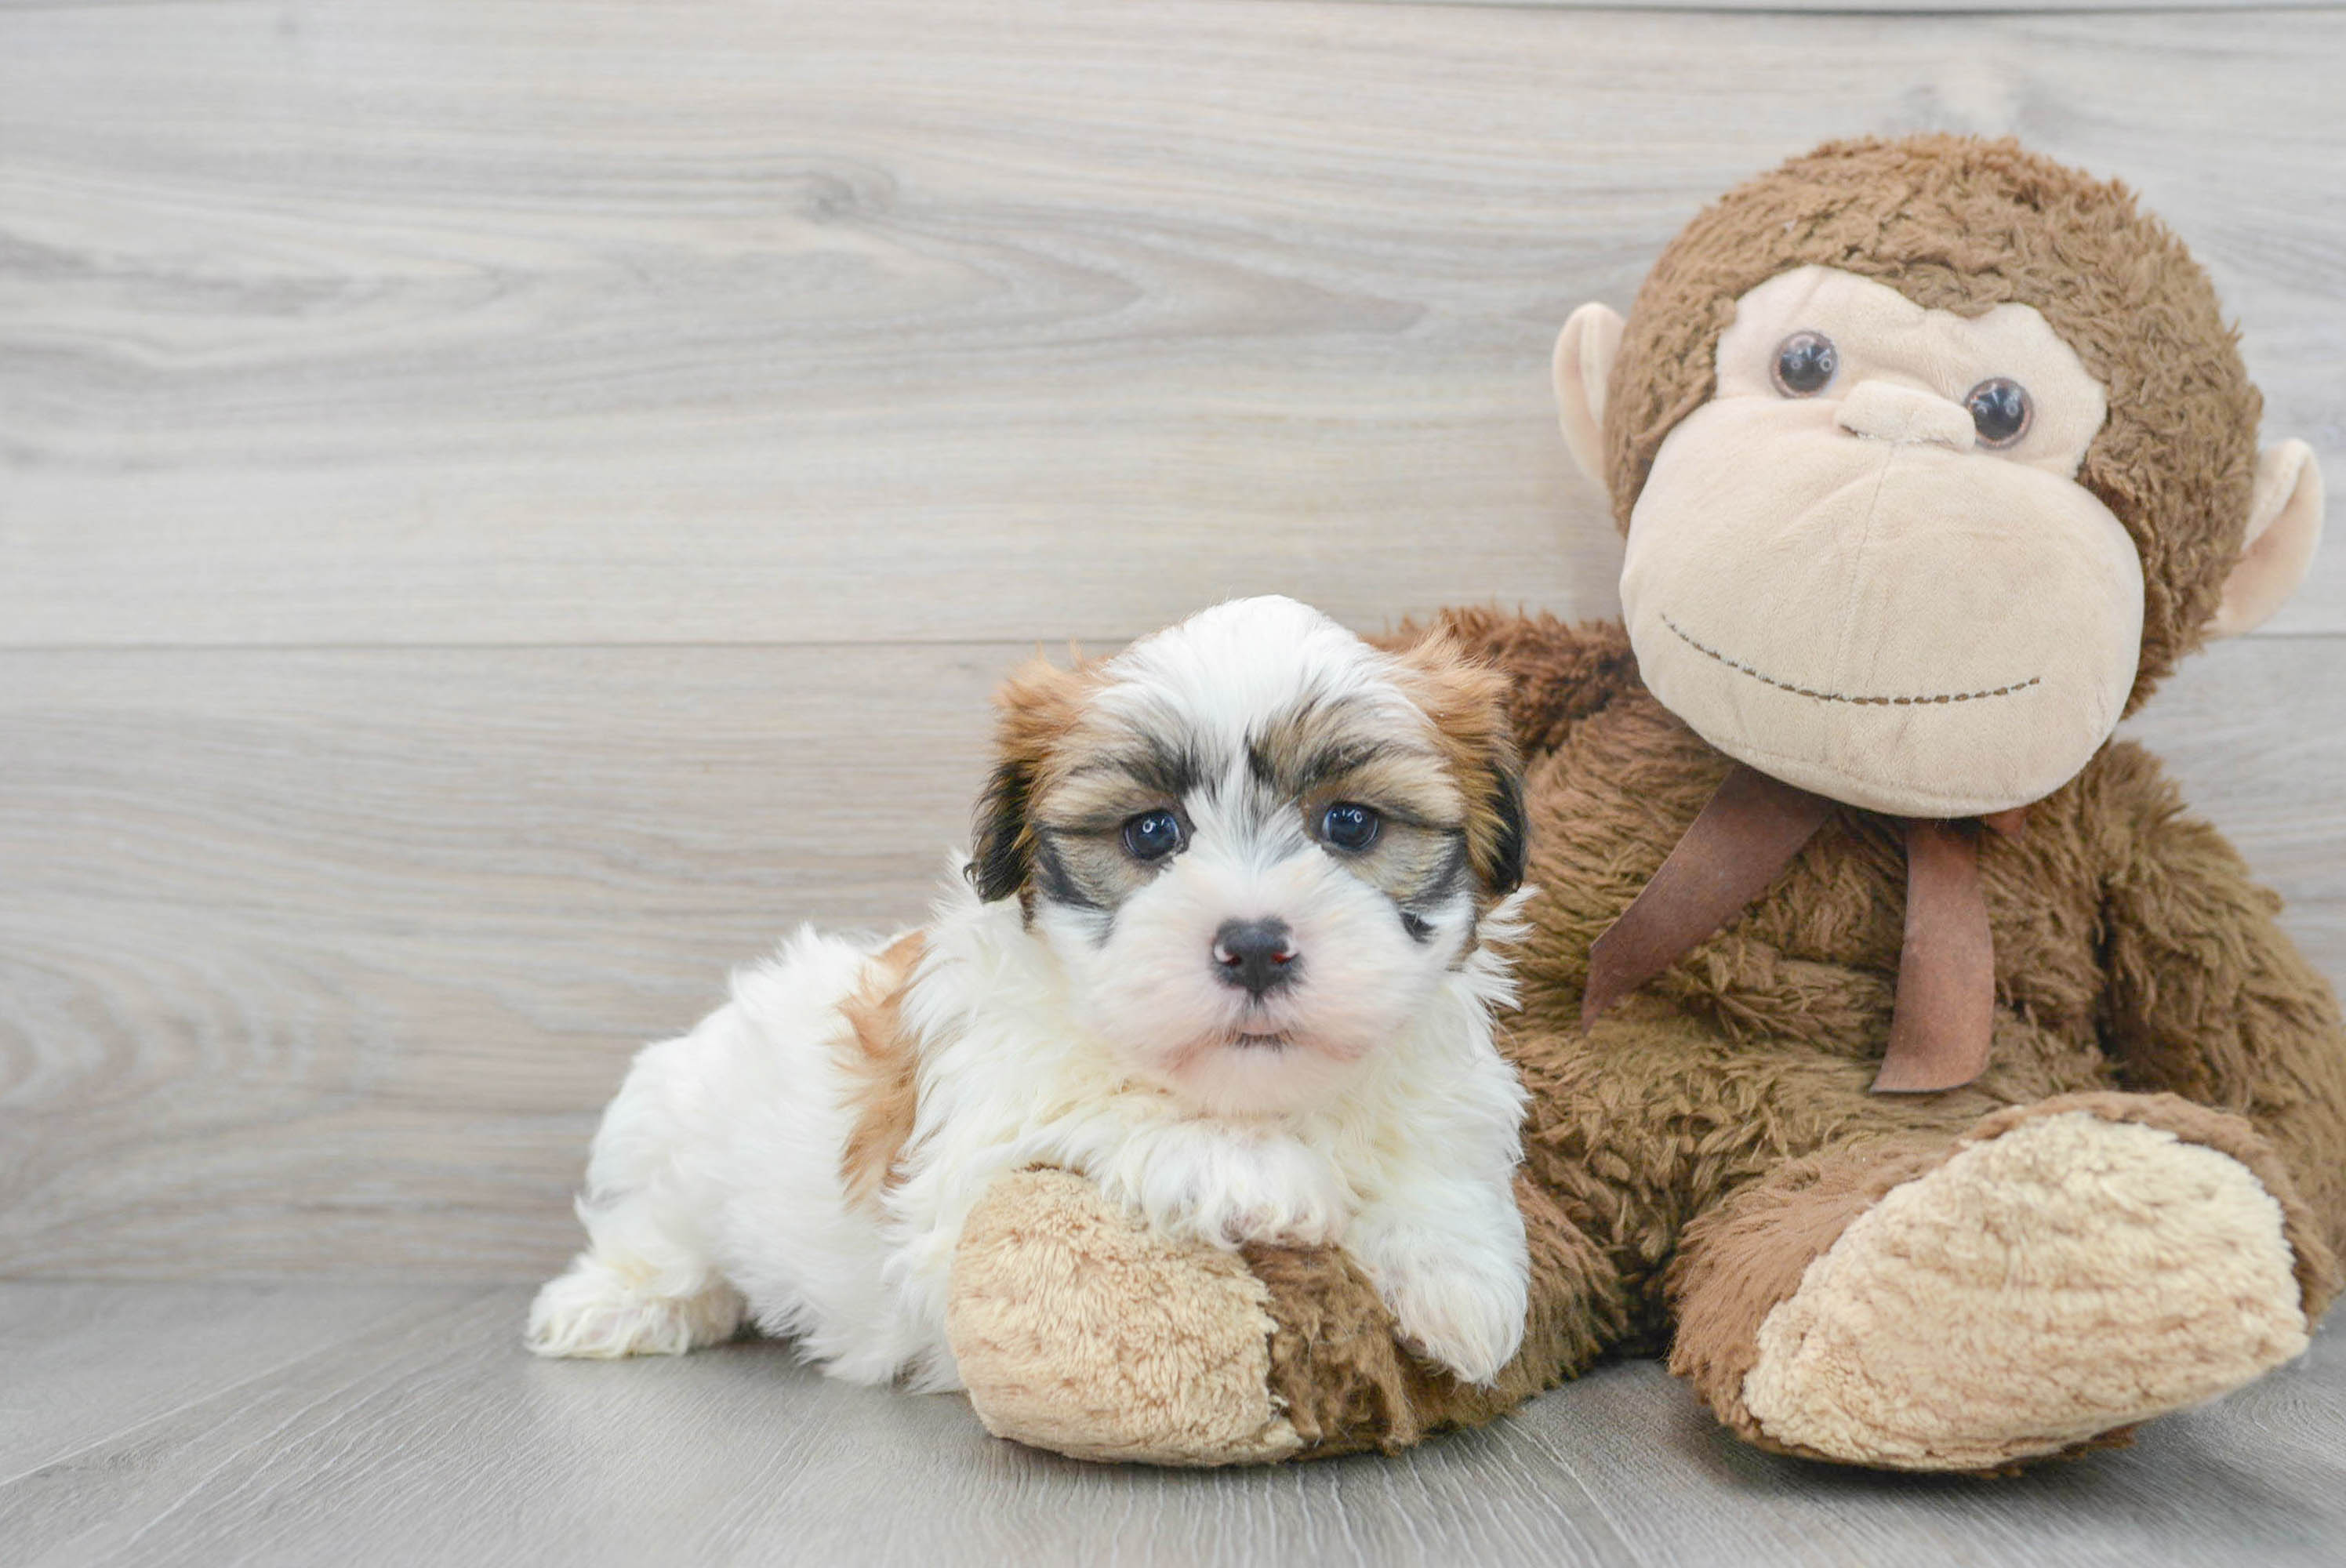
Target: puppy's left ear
1467,702
1036,706
1503,870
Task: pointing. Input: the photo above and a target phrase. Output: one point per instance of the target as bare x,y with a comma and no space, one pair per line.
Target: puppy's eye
1152,835
2001,410
1805,363
1349,825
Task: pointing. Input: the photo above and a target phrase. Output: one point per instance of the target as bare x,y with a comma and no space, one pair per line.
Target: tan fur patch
1041,704
1746,1255
1324,753
2070,1276
1079,1329
882,1069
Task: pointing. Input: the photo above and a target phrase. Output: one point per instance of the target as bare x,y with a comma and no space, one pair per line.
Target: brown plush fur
1737,1261
1691,1156
1346,1384
1958,224
1713,1136
1140,1347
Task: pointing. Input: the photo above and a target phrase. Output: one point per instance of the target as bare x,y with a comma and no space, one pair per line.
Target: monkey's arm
1349,1383
2208,998
1076,1330
1561,673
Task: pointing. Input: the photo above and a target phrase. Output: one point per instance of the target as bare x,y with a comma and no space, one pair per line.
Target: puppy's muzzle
1254,955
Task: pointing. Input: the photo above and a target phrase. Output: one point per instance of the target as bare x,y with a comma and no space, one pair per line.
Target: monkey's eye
1349,825
2001,410
1805,363
1153,835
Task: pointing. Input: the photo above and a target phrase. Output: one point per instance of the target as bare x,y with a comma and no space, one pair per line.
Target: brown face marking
882,1068
1466,702
1441,780
1325,754
1091,868
1038,707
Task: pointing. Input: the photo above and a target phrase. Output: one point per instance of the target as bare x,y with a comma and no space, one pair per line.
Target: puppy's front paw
1199,1182
1305,1223
1464,1312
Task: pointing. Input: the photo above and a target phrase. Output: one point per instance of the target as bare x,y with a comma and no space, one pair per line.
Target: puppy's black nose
1254,955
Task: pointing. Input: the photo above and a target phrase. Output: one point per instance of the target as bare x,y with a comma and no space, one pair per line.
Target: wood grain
435,322
1888,8
505,509
87,1362
321,962
426,1435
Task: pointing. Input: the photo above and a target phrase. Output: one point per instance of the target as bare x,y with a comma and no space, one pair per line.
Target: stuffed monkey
1905,1063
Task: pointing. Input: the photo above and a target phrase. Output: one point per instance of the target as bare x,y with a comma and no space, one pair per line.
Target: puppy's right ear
1038,705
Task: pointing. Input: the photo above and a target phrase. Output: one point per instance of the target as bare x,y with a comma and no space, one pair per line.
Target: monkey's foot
2052,1282
1077,1330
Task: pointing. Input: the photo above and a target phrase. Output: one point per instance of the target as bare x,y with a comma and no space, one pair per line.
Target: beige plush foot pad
1078,1330
2070,1277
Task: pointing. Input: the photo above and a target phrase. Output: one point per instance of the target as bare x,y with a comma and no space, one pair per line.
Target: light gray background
506,508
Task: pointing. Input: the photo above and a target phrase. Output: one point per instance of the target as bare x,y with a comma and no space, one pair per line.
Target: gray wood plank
366,938
438,322
88,1362
434,1439
321,964
1880,8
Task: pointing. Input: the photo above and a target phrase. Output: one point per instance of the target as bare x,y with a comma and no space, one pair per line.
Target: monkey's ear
2284,526
1036,706
1584,363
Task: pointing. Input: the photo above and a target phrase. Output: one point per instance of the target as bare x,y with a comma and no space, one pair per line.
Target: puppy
1224,947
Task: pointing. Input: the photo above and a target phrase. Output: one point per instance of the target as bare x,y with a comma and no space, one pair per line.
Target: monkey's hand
1077,1328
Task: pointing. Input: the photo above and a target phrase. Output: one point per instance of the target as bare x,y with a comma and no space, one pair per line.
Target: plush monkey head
1933,456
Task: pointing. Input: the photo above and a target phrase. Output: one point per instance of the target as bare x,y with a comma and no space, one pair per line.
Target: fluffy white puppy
1223,947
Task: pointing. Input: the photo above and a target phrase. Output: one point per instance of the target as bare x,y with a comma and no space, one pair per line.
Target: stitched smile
1842,697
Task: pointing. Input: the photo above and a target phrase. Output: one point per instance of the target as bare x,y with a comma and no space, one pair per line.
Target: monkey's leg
2063,1270
2209,999
1076,1330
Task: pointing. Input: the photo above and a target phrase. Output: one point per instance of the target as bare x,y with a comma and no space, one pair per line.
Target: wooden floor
506,508
398,1424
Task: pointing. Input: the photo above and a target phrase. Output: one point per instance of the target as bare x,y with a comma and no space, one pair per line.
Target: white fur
1389,1123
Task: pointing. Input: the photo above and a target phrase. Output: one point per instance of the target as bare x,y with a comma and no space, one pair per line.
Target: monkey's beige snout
1884,410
